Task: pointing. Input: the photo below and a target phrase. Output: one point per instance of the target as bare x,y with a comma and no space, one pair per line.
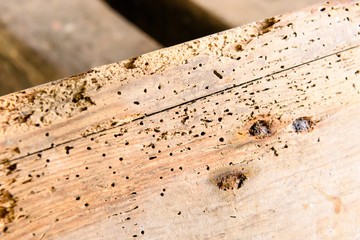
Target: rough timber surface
146,148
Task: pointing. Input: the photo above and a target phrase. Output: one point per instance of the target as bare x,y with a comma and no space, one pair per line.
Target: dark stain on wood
266,25
7,205
261,129
131,63
231,181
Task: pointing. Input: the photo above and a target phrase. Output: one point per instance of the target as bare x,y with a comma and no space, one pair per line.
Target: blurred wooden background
44,40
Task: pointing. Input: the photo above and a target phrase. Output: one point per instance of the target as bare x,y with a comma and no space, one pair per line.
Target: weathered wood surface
70,36
139,149
239,12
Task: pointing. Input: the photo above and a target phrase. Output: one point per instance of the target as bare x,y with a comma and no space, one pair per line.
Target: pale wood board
109,160
239,12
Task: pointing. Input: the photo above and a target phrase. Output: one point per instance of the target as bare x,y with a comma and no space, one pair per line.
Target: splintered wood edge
130,146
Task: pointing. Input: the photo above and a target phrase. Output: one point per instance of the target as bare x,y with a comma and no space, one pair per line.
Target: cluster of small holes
260,129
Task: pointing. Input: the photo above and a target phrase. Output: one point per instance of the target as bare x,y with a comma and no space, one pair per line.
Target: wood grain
137,149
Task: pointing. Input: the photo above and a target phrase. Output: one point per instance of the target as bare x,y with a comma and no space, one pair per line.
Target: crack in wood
190,101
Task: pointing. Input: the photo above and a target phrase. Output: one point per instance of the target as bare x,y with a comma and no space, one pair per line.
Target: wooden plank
72,36
20,66
111,160
239,12
108,93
